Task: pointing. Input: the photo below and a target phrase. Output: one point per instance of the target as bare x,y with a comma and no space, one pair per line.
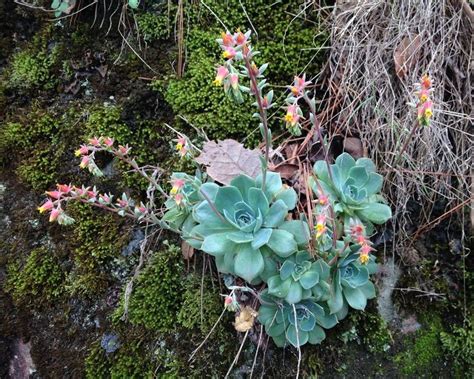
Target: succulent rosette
353,188
243,225
298,275
296,324
351,285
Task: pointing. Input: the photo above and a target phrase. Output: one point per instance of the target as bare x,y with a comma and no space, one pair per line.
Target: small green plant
459,345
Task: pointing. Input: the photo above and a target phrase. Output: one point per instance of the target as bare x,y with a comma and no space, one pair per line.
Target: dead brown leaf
227,159
286,170
354,147
245,319
406,55
187,250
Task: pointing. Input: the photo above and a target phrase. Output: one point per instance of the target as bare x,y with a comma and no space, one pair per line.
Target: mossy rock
423,355
157,292
38,282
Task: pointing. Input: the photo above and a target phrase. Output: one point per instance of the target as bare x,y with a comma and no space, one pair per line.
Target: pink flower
229,52
320,225
240,38
83,150
323,199
85,161
94,141
55,213
177,185
299,85
105,198
91,194
54,194
292,117
109,141
64,188
222,73
122,203
178,198
234,81
48,205
227,39
124,150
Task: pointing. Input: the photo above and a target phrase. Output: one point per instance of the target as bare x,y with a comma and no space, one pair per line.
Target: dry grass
367,98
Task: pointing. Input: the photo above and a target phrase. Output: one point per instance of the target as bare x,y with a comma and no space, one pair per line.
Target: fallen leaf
286,170
290,152
406,55
187,250
354,147
245,319
227,159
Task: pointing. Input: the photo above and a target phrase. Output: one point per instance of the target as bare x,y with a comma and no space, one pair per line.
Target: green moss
39,170
202,305
373,331
33,68
131,360
38,282
147,139
459,345
157,293
97,240
289,45
39,145
422,354
153,26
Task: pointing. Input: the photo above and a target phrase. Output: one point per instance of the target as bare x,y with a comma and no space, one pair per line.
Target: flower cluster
358,236
176,193
182,146
424,105
294,114
95,144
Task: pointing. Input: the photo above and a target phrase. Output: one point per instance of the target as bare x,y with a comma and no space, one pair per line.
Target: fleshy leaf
289,197
248,262
282,243
217,244
355,298
261,238
299,229
276,215
296,337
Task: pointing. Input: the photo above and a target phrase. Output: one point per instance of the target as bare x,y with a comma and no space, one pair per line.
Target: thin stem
262,111
316,126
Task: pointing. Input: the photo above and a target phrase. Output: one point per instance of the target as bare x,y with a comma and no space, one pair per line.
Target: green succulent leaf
217,244
296,337
309,279
375,212
258,200
282,243
261,238
295,293
227,198
288,196
276,215
278,287
248,262
287,269
316,336
355,298
243,183
299,229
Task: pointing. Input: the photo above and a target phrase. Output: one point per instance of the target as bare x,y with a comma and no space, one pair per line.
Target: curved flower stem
262,111
317,127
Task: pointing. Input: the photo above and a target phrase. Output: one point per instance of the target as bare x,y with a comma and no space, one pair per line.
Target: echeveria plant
235,222
353,188
298,274
294,323
351,284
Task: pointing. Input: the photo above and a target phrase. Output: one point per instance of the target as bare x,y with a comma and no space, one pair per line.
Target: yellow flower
364,258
